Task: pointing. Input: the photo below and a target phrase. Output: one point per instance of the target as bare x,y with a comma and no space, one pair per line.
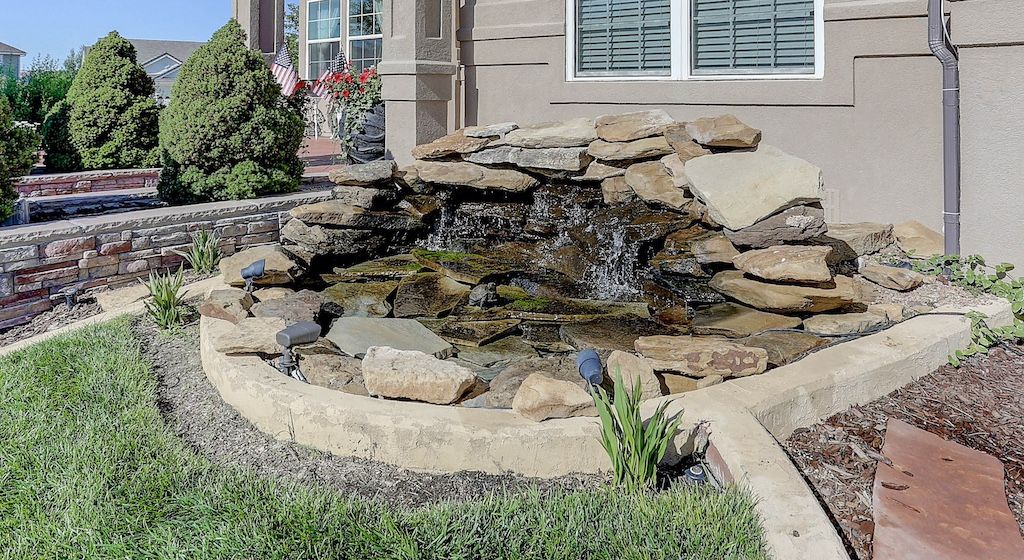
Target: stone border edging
741,419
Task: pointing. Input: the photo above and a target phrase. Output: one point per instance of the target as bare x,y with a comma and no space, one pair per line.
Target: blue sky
55,27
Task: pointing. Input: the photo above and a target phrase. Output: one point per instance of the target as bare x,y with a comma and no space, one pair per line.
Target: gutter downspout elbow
943,49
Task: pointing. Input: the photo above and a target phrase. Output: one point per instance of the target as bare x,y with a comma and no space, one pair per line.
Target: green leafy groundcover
89,470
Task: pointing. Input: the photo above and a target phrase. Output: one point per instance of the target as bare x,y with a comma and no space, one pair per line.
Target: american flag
284,72
337,66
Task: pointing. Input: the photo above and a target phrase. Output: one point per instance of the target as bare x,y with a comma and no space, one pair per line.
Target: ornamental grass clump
634,447
204,253
166,305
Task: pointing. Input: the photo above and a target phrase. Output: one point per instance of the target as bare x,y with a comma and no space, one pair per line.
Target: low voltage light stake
589,365
303,332
252,272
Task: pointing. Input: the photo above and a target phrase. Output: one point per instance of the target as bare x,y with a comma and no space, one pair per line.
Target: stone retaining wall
38,261
86,181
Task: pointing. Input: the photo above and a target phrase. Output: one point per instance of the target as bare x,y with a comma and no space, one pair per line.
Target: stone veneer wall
38,261
86,181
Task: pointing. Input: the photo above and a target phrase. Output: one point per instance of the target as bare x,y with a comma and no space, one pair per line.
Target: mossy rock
387,268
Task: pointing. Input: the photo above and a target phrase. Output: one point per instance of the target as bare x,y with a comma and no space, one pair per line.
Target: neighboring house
326,27
162,60
10,60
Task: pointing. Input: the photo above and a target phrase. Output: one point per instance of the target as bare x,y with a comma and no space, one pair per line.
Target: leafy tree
44,85
61,154
113,118
291,30
228,133
19,147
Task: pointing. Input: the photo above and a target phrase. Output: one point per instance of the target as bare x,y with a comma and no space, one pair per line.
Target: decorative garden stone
713,248
472,333
322,240
784,347
674,384
893,312
274,292
359,299
564,134
631,369
792,225
499,353
615,191
653,184
786,298
455,143
484,295
899,279
683,144
918,240
353,335
850,241
471,175
280,268
336,213
428,294
737,321
611,333
386,268
561,159
253,335
497,130
230,305
724,131
701,357
497,155
843,323
293,308
787,263
637,149
541,398
632,126
598,171
414,375
505,386
333,371
366,197
676,169
363,175
742,188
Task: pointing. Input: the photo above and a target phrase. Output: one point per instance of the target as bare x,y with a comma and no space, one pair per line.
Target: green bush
228,133
19,147
61,154
113,119
44,85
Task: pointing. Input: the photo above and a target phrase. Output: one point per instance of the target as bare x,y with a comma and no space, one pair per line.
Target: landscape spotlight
252,272
70,294
589,365
303,332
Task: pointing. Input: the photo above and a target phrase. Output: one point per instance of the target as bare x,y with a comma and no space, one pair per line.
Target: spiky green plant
634,447
204,253
166,304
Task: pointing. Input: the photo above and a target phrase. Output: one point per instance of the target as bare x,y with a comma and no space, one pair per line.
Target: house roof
150,49
7,49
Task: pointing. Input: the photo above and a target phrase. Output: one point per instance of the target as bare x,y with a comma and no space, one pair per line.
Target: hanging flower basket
356,99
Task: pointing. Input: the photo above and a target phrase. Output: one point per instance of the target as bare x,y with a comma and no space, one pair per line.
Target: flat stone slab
293,308
428,294
892,277
784,347
354,335
736,321
919,240
940,500
844,323
787,263
499,353
472,333
387,268
280,267
787,298
359,299
702,357
614,333
853,240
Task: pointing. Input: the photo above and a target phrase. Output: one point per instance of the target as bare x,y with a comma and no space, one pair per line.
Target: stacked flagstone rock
472,276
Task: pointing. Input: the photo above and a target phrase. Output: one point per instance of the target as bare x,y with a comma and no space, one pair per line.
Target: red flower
346,93
362,90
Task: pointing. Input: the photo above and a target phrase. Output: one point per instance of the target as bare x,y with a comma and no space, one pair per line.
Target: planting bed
979,405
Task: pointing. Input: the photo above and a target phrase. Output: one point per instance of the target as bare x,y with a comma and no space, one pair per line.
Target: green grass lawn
89,470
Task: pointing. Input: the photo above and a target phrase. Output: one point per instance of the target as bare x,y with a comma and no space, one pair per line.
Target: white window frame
339,39
682,24
351,38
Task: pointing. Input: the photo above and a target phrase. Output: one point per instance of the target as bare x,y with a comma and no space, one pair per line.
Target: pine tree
228,133
113,118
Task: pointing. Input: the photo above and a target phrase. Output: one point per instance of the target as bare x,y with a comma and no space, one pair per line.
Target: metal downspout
943,49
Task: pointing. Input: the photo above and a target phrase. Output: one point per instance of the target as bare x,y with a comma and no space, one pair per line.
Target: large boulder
354,335
681,141
413,375
254,335
359,299
303,305
505,385
849,241
428,294
321,240
786,298
362,175
742,188
333,371
564,134
336,213
792,225
461,173
787,263
701,357
230,305
632,126
919,240
899,279
632,370
637,149
541,398
724,131
455,143
651,181
281,268
736,321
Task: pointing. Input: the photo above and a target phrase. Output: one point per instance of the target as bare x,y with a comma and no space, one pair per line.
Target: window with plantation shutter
752,36
623,37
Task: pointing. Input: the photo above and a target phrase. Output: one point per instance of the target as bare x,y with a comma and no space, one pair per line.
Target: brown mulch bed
980,405
47,321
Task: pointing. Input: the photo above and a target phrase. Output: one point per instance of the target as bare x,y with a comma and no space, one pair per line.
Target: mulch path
980,405
193,409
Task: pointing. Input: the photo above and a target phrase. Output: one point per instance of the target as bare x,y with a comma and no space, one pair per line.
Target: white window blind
752,36
623,37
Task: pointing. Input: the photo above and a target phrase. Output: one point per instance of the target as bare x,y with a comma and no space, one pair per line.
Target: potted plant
355,97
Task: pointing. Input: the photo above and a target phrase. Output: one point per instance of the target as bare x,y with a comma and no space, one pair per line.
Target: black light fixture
252,272
303,332
589,365
70,294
